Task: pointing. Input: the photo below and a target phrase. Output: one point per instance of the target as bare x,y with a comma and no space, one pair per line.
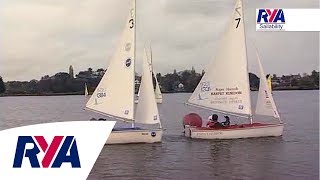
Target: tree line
182,81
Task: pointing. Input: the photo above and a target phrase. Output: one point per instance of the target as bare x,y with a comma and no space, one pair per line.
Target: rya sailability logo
270,19
63,149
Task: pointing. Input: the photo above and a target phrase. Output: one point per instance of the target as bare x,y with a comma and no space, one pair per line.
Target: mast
134,56
245,44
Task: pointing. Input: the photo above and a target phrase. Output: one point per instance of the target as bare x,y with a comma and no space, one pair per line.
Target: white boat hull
159,100
135,136
234,133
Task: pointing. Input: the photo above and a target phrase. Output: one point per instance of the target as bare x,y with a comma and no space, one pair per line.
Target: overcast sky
39,37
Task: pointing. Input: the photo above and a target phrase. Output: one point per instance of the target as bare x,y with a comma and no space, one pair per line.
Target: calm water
293,156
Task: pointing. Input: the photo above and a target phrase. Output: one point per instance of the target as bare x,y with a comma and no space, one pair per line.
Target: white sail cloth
114,95
225,84
147,110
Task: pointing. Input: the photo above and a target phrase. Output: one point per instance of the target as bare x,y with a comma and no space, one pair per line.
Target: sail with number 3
110,97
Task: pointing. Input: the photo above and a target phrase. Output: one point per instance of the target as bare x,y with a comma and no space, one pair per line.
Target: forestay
225,85
114,95
147,110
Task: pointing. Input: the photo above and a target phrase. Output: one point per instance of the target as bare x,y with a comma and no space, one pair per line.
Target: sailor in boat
100,119
227,121
213,122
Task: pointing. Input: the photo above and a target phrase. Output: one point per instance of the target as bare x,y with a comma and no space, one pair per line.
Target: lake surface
295,155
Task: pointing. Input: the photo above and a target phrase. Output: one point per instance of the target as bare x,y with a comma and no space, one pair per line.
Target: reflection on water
293,156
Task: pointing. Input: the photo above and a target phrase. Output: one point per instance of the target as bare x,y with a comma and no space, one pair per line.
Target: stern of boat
129,136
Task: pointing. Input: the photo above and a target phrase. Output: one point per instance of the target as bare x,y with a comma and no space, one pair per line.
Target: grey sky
39,37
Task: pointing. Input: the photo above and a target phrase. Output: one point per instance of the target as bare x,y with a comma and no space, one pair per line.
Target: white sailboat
86,92
114,95
270,82
157,91
225,88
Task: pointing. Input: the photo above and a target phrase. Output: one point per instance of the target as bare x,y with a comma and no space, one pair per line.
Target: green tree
315,77
190,80
169,81
294,82
274,76
254,81
306,82
2,86
90,70
99,70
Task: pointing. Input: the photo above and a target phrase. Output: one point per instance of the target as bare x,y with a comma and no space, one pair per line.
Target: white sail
139,91
265,103
270,82
225,85
114,95
86,93
157,91
147,110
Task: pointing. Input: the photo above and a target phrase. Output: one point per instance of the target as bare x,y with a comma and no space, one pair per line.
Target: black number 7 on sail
238,19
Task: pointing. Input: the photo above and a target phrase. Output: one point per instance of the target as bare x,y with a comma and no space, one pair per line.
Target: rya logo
270,16
61,150
270,19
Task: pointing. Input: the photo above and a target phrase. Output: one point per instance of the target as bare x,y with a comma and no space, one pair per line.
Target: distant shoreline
81,93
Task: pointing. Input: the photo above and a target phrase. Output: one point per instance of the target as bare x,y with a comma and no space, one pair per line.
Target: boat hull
128,136
159,100
235,132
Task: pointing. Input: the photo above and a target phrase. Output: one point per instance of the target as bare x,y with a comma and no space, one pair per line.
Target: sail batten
225,85
110,98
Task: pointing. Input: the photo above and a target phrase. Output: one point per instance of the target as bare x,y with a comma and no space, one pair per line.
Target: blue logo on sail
153,134
205,86
128,62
